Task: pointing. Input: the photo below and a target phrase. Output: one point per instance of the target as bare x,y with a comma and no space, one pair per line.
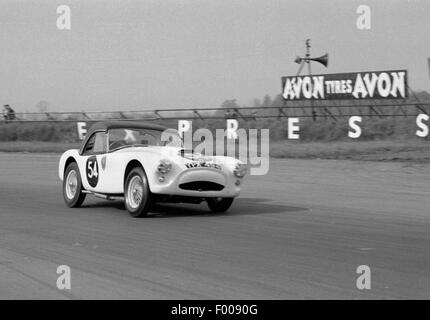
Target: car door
91,162
113,163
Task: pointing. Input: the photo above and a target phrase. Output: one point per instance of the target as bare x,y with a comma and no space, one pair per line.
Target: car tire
72,187
219,204
137,196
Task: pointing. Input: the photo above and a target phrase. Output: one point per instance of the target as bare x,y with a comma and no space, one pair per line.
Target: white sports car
135,162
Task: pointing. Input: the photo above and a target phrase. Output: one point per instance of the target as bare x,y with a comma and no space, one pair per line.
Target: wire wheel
71,184
135,192
137,195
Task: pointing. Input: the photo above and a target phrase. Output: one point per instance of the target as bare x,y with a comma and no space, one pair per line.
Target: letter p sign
186,132
183,126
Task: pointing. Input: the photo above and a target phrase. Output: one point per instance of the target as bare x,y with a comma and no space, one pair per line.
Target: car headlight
164,166
240,170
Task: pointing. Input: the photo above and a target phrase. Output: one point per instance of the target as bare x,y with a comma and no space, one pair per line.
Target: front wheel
72,187
219,204
137,196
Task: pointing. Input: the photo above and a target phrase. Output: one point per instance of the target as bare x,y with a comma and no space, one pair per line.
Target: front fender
65,158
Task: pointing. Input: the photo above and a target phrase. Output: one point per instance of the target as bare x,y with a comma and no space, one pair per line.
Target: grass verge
413,150
407,150
37,146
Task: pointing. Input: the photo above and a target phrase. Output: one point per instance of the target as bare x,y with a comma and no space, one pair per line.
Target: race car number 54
92,171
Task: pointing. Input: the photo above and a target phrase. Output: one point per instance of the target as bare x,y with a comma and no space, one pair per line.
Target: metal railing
327,110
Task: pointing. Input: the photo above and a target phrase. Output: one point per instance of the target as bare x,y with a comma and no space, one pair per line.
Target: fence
321,110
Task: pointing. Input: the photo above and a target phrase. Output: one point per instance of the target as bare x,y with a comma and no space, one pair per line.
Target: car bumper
171,184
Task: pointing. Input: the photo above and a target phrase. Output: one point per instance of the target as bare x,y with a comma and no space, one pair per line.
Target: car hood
179,154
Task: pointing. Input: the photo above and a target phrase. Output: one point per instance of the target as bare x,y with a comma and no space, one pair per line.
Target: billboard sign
392,84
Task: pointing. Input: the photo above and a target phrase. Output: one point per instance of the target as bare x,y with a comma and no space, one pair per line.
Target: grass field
413,150
36,146
389,139
392,128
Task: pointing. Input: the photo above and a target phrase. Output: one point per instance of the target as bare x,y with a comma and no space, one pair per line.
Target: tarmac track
299,232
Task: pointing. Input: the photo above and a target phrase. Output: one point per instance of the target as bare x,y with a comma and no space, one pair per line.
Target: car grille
201,186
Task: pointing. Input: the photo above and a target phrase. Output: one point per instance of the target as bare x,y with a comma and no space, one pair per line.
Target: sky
154,54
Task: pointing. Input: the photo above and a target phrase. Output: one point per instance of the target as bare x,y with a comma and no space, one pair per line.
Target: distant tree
42,106
230,104
257,103
278,101
267,101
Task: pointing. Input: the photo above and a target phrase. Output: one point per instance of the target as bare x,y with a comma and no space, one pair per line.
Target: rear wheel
219,204
72,187
137,197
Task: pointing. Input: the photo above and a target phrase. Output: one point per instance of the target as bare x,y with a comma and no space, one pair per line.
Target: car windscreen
121,138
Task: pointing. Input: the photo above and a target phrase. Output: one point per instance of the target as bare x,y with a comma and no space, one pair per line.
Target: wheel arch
69,160
65,161
130,166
